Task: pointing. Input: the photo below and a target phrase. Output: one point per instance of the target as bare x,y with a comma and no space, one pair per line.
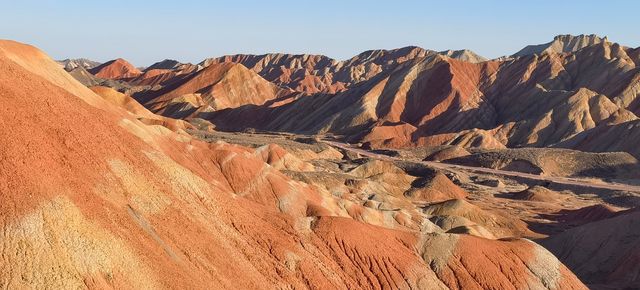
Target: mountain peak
165,64
563,43
464,55
115,69
582,37
70,64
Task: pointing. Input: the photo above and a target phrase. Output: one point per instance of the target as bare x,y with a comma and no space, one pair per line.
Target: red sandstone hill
93,198
216,87
115,69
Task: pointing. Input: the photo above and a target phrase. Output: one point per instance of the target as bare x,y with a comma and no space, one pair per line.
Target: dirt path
438,165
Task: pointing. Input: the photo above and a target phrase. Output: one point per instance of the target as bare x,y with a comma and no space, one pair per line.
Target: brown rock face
93,198
115,69
141,113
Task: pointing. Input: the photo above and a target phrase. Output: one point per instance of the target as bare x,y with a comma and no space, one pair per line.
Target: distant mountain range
554,94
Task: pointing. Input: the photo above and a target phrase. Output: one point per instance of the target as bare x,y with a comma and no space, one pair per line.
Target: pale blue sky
189,30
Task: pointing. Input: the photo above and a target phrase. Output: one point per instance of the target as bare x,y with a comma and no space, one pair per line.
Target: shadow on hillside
566,219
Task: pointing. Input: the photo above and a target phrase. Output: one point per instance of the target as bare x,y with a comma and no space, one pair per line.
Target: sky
144,32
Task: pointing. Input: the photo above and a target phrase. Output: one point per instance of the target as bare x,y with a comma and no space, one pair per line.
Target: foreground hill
93,198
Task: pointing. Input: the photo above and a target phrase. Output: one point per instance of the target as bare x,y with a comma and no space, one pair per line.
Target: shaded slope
602,253
141,113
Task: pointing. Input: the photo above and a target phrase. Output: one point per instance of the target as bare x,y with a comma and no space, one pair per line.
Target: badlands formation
395,169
